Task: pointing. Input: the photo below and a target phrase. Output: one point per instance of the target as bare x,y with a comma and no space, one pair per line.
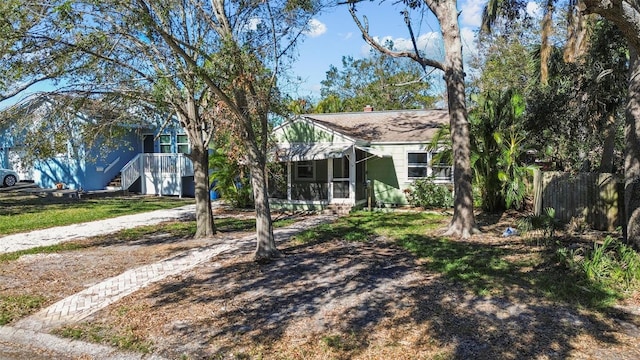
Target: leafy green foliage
546,221
611,263
230,179
383,82
427,194
570,118
498,150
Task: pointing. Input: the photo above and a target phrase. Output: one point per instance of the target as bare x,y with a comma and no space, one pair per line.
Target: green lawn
23,213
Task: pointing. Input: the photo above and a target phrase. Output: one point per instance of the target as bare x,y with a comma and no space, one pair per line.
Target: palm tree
497,146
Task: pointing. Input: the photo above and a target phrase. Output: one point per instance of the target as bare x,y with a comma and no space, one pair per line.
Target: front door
341,178
148,144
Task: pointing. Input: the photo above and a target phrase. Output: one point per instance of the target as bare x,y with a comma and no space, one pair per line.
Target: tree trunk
463,221
265,244
632,152
609,144
545,46
204,218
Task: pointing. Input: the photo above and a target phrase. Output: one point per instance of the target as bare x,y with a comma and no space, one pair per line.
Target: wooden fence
594,197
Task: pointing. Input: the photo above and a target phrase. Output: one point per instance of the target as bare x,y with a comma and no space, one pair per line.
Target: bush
427,194
229,178
611,263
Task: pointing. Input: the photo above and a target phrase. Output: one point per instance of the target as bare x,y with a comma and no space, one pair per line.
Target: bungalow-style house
146,158
355,159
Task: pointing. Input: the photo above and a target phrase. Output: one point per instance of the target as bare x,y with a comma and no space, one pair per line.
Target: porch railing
157,164
131,171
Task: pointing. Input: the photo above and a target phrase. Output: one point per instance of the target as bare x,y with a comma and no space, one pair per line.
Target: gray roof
385,126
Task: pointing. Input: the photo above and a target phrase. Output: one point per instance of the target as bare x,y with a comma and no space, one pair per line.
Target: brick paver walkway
46,237
85,303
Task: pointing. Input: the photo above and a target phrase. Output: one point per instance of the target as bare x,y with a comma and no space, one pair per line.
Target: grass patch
188,228
364,226
15,307
125,339
69,246
26,213
176,229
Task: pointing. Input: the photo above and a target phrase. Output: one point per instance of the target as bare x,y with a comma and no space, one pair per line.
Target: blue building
147,158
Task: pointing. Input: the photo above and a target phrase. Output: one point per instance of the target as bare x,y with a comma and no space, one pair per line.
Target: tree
380,81
200,60
463,222
497,149
626,15
583,134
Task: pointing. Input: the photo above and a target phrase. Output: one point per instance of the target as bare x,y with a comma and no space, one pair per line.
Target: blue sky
335,35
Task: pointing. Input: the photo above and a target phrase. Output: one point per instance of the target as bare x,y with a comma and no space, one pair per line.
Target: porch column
329,180
352,174
143,173
179,161
289,180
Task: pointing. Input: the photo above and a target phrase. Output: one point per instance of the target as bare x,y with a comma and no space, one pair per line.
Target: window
305,170
165,144
419,165
341,168
183,144
441,170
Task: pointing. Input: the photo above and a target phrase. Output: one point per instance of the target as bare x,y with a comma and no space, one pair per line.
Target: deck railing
131,171
156,164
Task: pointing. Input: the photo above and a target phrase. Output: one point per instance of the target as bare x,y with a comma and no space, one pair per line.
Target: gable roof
385,126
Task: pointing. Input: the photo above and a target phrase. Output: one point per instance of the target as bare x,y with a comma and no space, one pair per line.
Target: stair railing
131,171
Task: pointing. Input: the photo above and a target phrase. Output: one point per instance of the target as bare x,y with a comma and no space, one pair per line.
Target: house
355,159
146,157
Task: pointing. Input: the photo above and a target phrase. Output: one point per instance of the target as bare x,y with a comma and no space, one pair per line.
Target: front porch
159,174
315,177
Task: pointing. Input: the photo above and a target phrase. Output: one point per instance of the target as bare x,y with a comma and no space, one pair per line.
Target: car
8,177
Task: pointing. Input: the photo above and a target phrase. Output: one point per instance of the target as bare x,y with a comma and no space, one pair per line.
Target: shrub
611,263
427,194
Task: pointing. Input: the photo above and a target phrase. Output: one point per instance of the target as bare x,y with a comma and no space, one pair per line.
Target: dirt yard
328,300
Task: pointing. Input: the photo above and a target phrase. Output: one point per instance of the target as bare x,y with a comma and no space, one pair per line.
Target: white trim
429,167
113,163
178,144
311,151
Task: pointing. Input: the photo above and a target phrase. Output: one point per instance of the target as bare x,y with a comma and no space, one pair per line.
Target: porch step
115,183
338,209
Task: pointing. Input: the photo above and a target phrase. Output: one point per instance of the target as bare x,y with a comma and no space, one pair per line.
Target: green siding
386,188
303,132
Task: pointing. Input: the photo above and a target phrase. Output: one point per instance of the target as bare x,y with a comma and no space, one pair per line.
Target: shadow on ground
358,296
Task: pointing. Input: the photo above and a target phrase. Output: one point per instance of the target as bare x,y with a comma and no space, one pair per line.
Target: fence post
537,192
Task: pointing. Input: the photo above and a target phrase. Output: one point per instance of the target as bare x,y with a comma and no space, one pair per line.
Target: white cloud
316,28
471,12
469,45
254,23
430,43
534,10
